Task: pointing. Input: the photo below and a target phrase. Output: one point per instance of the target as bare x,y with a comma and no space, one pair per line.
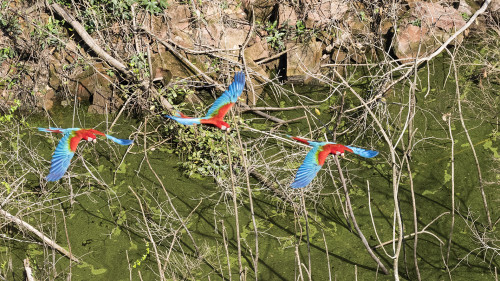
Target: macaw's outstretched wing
222,105
309,168
185,120
363,152
62,156
120,141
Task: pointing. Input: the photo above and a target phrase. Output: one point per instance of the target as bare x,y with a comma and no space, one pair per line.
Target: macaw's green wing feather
222,105
309,168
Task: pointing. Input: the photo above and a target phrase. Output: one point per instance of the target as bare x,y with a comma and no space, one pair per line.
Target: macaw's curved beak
94,140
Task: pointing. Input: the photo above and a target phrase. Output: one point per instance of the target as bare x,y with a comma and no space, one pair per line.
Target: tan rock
262,8
430,25
179,16
286,15
324,12
303,60
257,51
258,82
433,15
45,98
233,37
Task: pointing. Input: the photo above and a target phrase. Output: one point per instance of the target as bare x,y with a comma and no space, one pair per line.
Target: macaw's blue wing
228,98
308,170
61,158
363,152
120,141
185,120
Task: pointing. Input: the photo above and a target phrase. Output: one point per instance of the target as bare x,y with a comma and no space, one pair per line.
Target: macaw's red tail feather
300,140
178,113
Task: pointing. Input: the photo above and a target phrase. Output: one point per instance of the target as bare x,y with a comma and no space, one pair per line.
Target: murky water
98,211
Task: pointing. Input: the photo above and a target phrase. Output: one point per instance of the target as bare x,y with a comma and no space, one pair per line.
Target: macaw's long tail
51,130
363,152
120,141
299,139
185,120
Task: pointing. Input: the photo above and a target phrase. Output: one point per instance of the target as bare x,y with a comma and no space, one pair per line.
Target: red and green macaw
67,146
317,156
219,108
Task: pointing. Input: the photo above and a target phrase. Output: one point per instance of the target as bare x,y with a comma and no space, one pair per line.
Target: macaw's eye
89,139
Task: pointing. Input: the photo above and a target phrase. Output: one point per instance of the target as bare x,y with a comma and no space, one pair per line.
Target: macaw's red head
223,126
339,149
89,134
217,123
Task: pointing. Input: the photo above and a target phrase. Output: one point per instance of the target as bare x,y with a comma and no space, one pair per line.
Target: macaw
317,156
67,146
219,108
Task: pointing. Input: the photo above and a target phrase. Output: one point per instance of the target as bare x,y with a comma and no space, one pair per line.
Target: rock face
429,25
321,13
303,60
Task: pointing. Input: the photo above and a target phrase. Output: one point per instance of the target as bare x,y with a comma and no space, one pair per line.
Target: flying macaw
67,146
219,108
317,156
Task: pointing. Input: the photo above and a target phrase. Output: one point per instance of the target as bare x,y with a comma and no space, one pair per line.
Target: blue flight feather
185,121
363,152
120,141
309,168
229,96
62,157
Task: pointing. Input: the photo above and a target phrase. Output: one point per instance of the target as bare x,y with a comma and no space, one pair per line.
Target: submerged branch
40,235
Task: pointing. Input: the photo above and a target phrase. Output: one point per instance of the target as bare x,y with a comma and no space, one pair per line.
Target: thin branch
40,235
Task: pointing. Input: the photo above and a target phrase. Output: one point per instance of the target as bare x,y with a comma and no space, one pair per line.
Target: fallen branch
104,55
275,56
42,236
28,270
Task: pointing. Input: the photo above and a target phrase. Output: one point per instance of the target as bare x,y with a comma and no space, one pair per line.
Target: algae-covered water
117,200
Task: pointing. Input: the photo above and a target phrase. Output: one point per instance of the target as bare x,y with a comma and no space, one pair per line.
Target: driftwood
28,270
40,235
104,55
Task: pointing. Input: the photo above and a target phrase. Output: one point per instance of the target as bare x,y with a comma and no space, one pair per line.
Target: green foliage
6,53
142,258
416,22
465,16
112,10
275,36
7,117
300,28
137,63
49,34
8,21
205,151
177,94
